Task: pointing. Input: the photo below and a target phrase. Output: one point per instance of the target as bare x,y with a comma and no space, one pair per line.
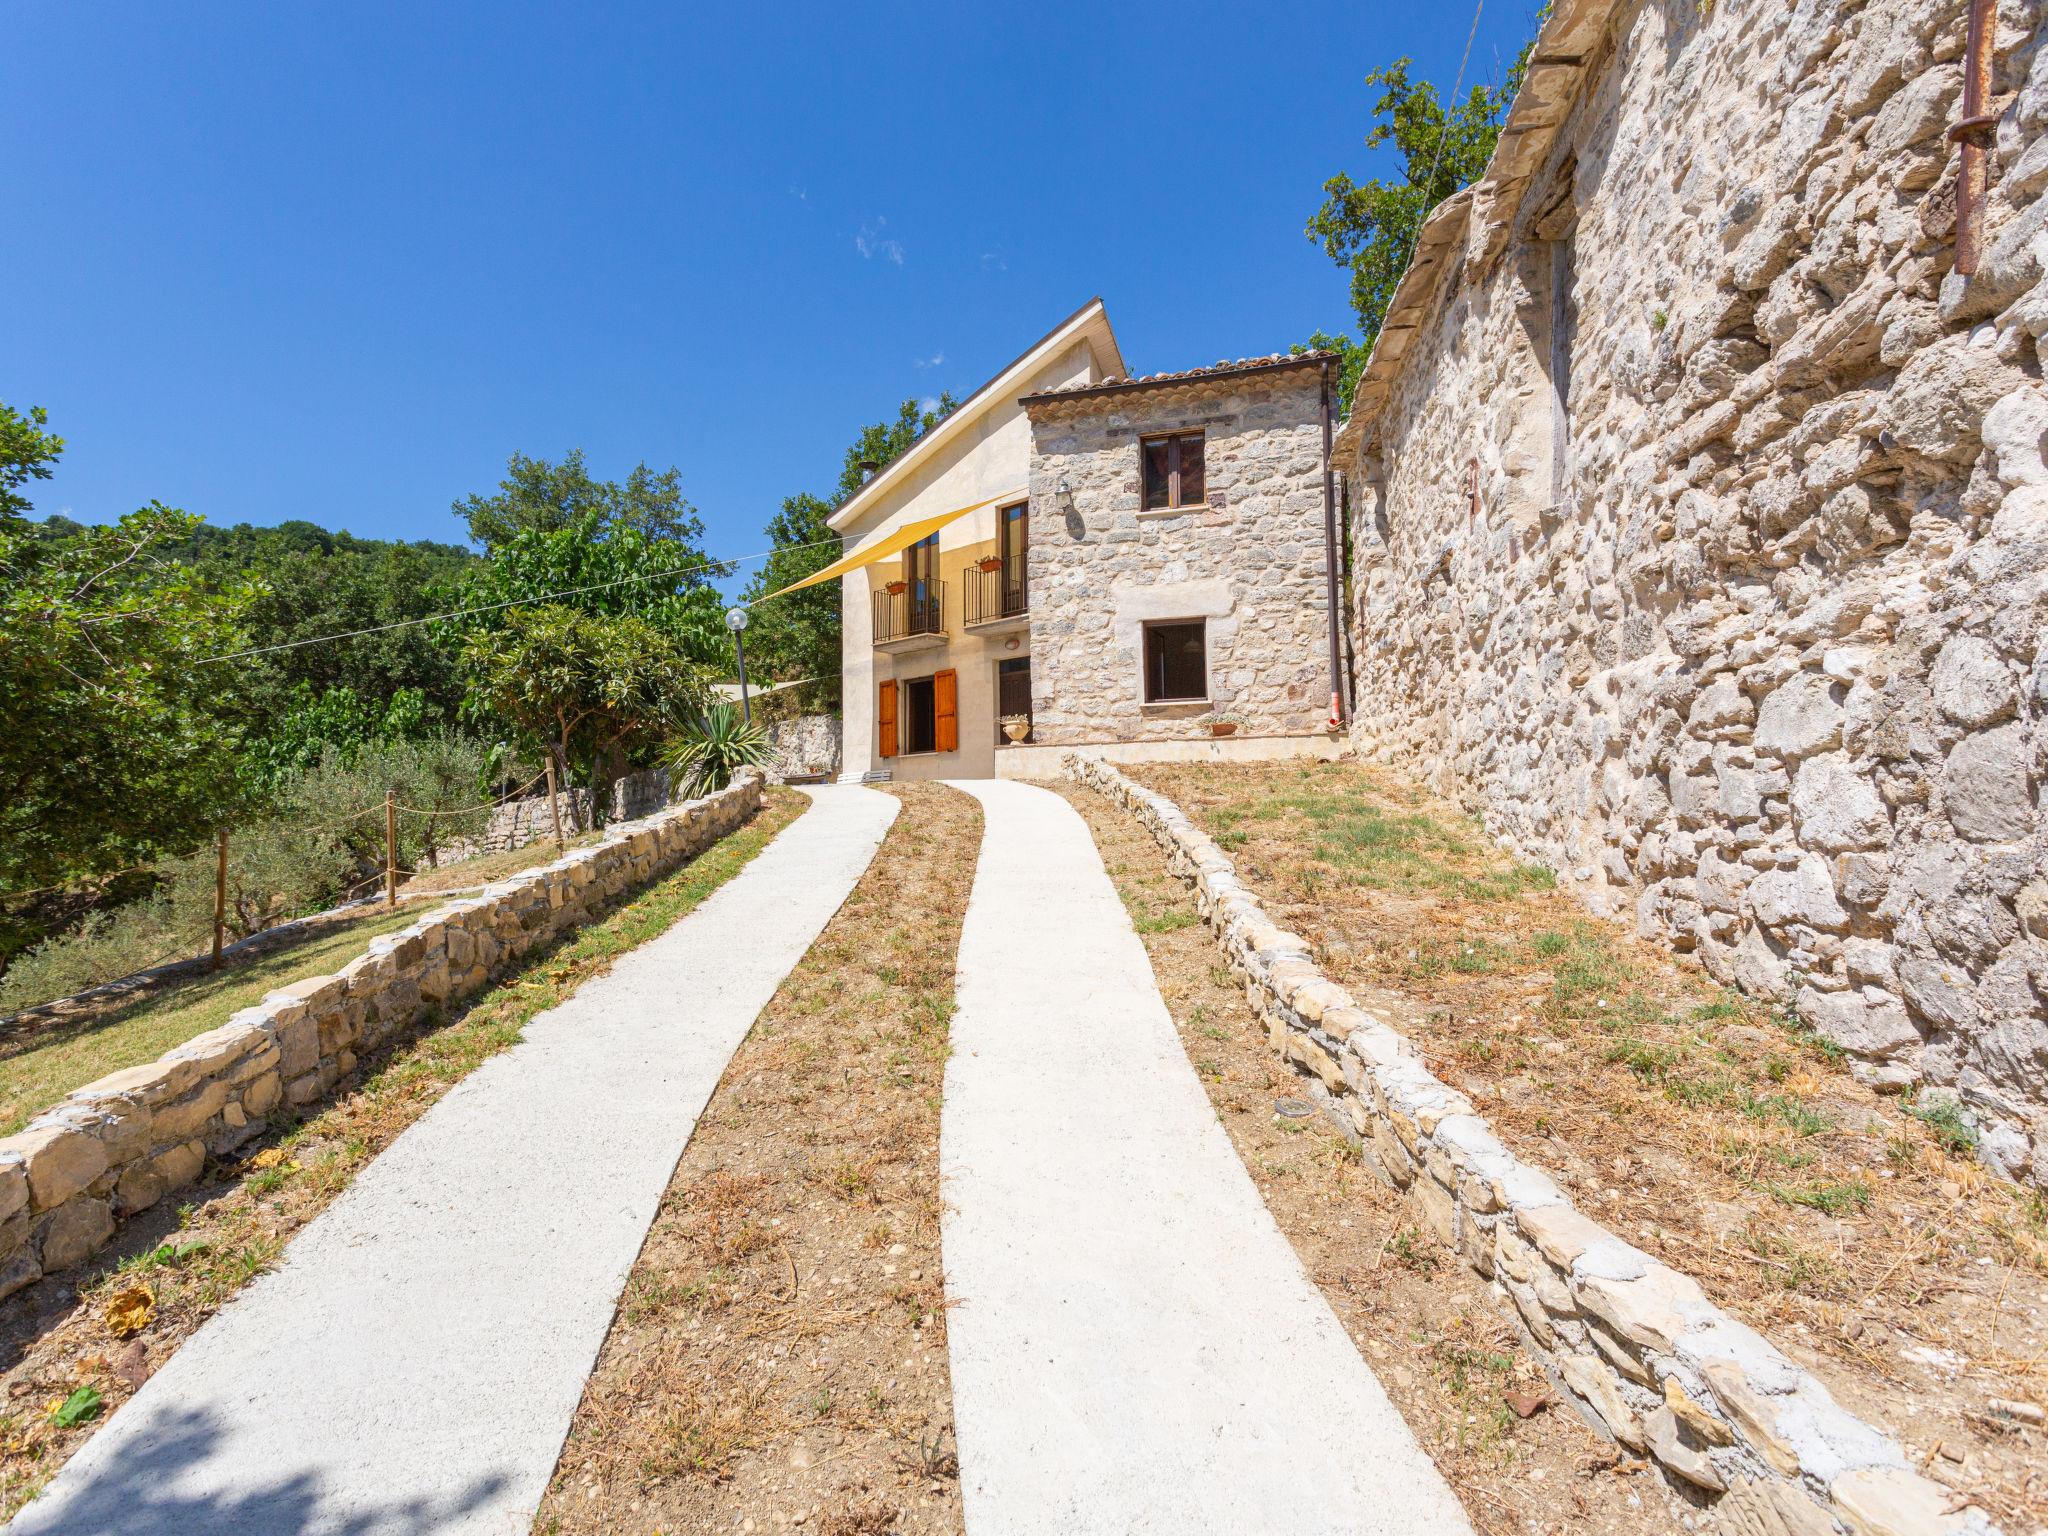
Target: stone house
1099,561
1700,516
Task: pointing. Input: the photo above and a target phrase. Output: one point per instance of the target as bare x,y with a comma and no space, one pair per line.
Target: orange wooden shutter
946,710
885,720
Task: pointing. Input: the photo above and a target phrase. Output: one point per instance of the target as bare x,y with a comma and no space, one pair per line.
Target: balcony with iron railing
911,619
996,598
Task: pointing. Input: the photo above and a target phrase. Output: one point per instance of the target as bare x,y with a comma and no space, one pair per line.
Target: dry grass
1438,1344
1861,1237
56,1336
779,1357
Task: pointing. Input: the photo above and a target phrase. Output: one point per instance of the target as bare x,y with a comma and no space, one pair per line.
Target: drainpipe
1973,133
1339,713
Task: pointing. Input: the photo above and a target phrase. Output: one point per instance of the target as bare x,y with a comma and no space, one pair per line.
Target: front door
1013,692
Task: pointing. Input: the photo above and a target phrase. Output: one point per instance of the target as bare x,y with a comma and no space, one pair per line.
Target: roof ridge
1223,368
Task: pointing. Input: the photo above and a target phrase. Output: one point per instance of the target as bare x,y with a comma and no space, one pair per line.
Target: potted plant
896,588
1017,727
991,563
1225,723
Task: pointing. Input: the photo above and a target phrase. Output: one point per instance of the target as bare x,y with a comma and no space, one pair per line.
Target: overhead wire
698,569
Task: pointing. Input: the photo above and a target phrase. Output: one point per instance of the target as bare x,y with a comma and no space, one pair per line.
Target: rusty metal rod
1973,133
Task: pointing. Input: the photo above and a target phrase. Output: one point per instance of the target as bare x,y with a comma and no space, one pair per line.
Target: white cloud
928,403
871,242
931,362
992,261
799,194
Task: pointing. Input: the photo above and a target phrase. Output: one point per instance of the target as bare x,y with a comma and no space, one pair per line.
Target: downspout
1973,133
1349,589
1339,712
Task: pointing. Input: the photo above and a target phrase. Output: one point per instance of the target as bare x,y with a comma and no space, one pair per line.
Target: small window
1176,662
1175,470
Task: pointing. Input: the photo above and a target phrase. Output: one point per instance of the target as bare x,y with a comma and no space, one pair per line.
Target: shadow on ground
146,1494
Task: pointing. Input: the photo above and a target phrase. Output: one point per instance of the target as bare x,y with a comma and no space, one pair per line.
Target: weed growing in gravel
1950,1126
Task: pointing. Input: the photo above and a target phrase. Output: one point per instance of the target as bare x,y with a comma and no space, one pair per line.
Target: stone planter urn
1016,727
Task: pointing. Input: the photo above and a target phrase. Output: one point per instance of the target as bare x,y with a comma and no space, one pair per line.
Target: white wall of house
985,455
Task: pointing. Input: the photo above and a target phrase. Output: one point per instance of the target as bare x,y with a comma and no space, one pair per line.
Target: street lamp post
736,621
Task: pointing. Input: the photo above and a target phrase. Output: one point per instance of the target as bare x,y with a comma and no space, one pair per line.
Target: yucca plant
705,755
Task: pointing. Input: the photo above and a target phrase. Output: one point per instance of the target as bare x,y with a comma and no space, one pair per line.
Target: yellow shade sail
891,544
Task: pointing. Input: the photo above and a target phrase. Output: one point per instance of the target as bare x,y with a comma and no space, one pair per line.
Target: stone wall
1250,562
518,823
119,1145
1701,518
1636,1347
805,747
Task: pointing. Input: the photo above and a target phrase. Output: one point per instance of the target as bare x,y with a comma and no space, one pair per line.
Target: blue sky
267,261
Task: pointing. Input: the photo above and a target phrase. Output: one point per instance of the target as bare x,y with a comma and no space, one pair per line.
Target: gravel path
1135,1346
414,1363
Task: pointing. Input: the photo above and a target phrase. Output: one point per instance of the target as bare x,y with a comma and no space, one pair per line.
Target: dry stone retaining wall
1637,1346
1743,633
119,1145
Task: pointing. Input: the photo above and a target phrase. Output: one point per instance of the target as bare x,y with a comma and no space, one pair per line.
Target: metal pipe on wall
1973,133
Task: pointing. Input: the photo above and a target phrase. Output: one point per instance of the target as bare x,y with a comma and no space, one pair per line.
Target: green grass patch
1946,1120
1786,1111
1367,844
44,1063
1831,1197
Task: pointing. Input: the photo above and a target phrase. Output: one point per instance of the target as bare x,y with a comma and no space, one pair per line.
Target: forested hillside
164,680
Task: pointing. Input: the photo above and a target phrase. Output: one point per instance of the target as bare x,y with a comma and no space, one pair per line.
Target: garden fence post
220,896
390,848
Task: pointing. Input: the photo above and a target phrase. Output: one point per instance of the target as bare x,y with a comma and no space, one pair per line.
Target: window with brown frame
1175,470
1176,662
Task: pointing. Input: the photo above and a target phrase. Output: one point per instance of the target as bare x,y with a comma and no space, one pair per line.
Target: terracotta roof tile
1224,368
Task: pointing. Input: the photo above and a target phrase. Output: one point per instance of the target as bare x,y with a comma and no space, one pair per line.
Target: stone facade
1635,1346
517,823
1250,561
117,1146
805,747
1701,518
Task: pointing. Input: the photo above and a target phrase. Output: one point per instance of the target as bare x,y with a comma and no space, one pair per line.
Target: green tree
121,744
798,636
336,719
604,570
536,496
27,453
1370,227
1351,361
596,691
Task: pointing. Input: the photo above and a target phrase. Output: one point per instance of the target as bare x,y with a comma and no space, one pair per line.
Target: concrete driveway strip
414,1363
1135,1346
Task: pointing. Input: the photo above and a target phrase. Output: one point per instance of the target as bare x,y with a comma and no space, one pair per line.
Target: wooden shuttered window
885,720
1175,471
946,711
